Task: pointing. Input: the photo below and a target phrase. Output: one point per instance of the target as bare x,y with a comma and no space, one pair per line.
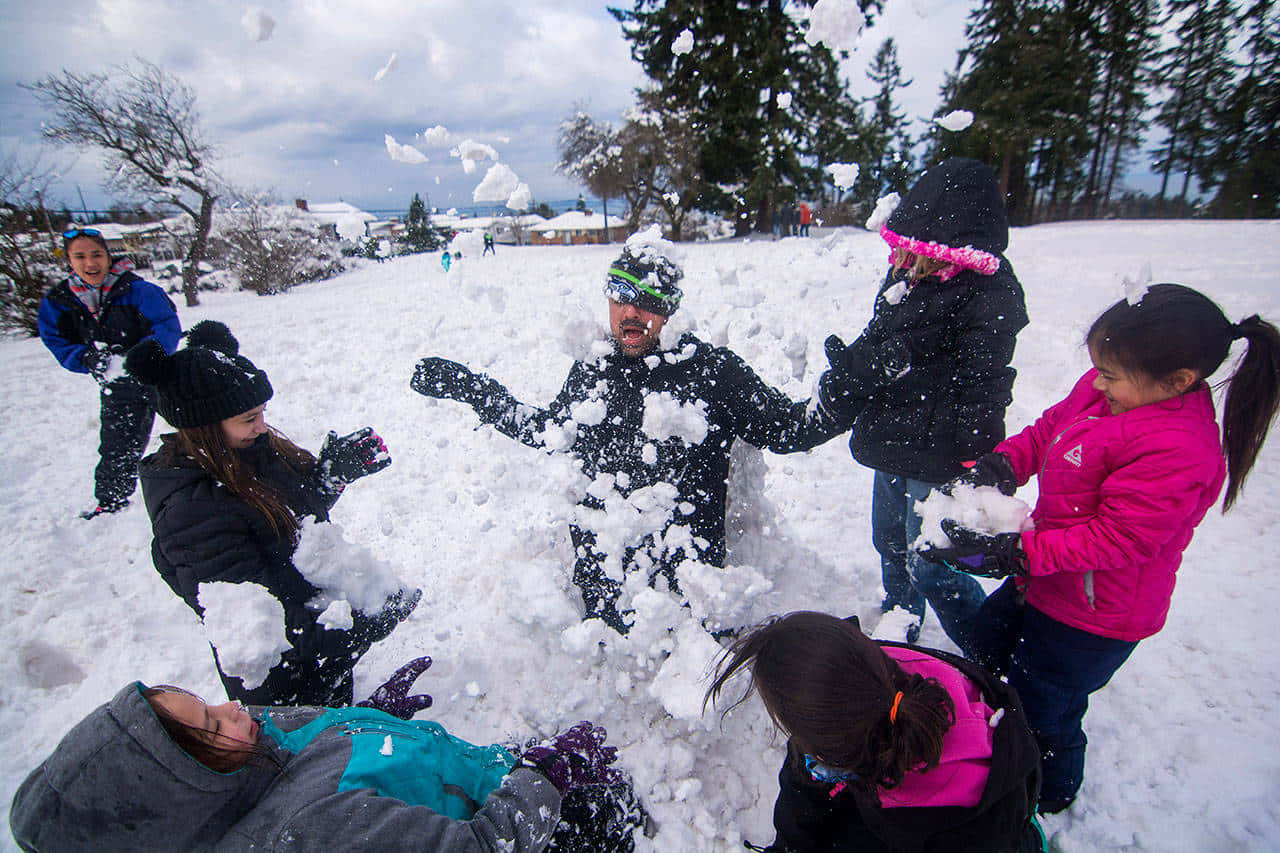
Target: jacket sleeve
68,353
868,364
764,416
1026,449
1151,495
154,304
518,817
530,425
983,382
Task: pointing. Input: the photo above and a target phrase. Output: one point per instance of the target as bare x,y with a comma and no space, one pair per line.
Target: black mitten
439,377
97,361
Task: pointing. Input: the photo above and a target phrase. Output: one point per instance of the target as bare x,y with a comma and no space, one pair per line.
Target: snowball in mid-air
683,43
955,121
836,24
387,69
885,207
403,153
844,175
498,184
245,623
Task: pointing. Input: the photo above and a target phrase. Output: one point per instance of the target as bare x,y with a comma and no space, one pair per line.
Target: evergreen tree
888,169
757,93
1245,166
1197,72
419,236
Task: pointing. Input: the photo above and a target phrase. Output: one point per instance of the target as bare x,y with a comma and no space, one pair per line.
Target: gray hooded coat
118,782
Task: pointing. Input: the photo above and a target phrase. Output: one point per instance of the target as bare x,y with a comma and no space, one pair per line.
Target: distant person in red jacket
806,217
1128,465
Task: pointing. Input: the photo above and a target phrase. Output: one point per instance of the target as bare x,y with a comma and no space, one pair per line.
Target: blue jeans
910,581
1054,668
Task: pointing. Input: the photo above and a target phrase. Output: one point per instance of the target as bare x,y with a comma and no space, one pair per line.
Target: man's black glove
369,628
989,555
97,361
991,469
440,377
345,459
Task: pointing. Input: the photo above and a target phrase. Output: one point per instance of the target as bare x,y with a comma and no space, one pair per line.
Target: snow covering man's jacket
926,384
669,417
1120,496
134,309
117,782
979,798
203,533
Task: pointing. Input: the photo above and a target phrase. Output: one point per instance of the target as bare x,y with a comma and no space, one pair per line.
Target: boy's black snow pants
128,410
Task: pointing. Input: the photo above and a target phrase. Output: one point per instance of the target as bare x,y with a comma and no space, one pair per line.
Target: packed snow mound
245,623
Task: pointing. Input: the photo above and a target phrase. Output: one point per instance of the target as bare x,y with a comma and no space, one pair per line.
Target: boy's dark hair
831,688
1174,327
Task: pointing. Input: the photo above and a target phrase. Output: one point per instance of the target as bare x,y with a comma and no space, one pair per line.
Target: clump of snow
844,175
982,508
895,624
667,417
683,43
648,244
679,684
344,570
784,101
521,197
245,623
438,135
387,69
403,153
499,183
896,292
472,152
1135,288
955,121
337,616
387,748
885,206
836,24
257,24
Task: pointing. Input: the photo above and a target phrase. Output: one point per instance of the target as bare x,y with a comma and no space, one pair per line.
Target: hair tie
893,712
1239,330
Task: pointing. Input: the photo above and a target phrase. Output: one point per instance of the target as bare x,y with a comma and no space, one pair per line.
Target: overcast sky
300,113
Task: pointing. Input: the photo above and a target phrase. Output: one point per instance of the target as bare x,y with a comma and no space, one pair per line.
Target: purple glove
393,696
575,758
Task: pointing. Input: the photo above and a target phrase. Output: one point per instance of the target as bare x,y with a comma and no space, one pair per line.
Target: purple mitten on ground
393,696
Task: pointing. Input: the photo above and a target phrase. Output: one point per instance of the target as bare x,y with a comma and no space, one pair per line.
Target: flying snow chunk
1136,288
257,24
469,149
520,199
955,121
387,69
438,135
683,43
404,153
245,623
835,23
498,185
784,100
844,175
884,209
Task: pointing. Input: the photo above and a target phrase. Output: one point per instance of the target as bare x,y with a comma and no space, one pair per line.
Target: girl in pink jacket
890,747
1128,465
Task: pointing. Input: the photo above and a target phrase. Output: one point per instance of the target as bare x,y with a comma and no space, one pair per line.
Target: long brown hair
915,267
200,743
1174,327
207,445
831,689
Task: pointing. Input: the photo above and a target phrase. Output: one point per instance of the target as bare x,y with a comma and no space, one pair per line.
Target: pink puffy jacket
1120,496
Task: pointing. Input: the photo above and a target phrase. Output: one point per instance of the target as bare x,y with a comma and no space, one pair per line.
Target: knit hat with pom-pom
206,382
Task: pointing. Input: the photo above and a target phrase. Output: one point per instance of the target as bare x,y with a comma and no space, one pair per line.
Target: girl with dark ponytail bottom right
886,740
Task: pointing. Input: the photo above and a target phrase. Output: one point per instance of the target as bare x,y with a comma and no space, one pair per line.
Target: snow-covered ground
1185,743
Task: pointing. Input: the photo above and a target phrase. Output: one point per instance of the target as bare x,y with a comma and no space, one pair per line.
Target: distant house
511,230
576,228
337,218
143,242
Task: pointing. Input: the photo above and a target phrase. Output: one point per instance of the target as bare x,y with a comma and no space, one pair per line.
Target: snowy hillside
1185,743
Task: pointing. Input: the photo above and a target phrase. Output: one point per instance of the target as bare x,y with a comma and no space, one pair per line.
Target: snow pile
955,121
245,623
982,508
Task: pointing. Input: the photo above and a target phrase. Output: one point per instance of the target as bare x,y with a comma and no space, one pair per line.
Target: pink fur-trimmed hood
960,258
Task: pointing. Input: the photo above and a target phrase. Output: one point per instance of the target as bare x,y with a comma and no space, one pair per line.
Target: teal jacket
349,779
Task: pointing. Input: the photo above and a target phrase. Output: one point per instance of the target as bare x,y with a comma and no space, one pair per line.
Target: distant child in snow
926,384
226,495
1128,465
890,747
157,768
88,322
446,260
488,245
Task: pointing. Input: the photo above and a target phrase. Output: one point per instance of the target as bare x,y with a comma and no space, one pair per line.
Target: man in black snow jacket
651,425
88,322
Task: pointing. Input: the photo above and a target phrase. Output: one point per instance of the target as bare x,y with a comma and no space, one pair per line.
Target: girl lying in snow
226,495
890,747
1128,465
158,768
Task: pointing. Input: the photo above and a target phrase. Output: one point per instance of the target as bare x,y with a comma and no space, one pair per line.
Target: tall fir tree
758,94
419,236
890,143
1196,71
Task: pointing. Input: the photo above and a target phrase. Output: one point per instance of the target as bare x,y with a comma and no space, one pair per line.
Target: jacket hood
117,781
953,213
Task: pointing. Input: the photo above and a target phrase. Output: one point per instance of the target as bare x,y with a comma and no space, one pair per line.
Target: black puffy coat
203,533
808,819
738,404
926,384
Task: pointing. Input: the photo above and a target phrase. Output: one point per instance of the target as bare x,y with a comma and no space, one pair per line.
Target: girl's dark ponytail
914,733
1253,395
